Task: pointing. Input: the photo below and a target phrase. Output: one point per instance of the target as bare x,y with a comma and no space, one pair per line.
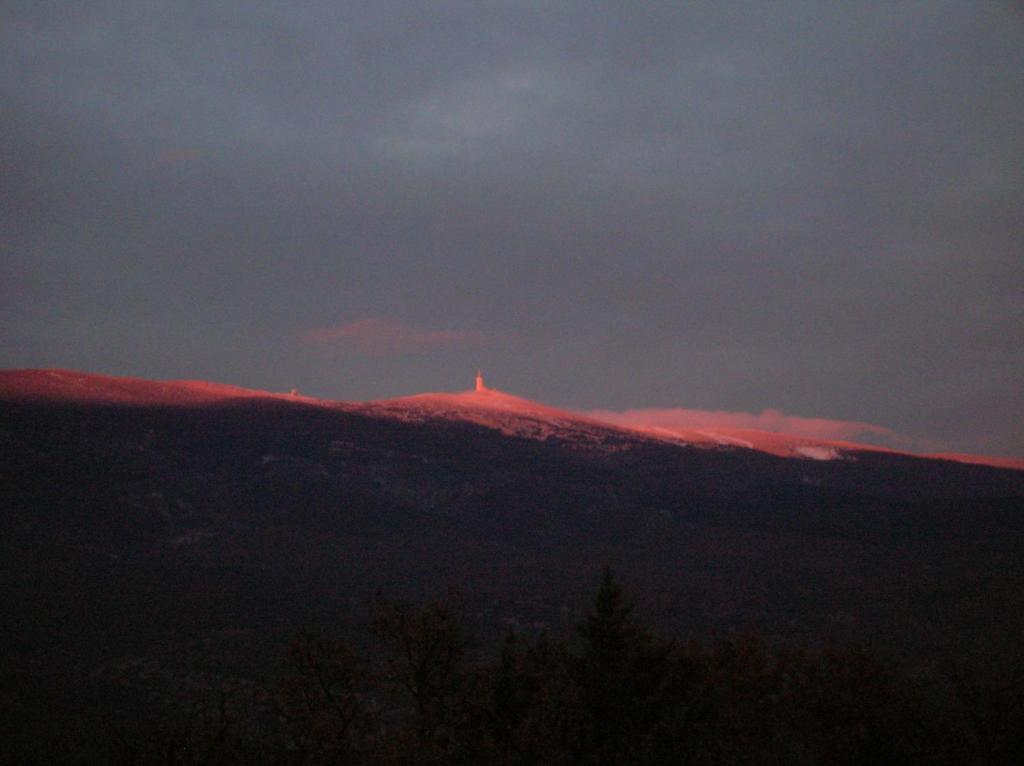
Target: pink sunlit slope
516,416
72,387
1014,463
511,415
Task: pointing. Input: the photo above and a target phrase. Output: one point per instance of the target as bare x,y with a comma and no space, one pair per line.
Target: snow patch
817,453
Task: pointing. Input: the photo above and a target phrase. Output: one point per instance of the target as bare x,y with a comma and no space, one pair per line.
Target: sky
809,210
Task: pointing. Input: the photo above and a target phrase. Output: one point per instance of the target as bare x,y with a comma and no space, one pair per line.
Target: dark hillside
149,554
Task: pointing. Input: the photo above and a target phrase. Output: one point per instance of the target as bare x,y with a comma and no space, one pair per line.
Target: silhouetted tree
617,695
637,693
777,705
321,704
425,667
536,710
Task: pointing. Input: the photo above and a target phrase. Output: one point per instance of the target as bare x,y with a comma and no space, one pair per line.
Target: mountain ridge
174,525
507,413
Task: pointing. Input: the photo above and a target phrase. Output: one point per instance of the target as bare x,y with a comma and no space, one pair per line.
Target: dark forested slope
151,551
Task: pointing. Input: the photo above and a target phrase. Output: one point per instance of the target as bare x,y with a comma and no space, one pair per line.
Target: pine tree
617,675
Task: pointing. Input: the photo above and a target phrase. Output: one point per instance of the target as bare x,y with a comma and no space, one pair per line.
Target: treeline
616,694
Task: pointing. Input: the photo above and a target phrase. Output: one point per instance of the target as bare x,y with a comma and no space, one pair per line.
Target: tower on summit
480,381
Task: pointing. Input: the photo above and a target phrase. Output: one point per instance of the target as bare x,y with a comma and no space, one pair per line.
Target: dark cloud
734,206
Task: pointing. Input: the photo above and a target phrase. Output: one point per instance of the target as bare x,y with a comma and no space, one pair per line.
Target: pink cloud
768,420
384,336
